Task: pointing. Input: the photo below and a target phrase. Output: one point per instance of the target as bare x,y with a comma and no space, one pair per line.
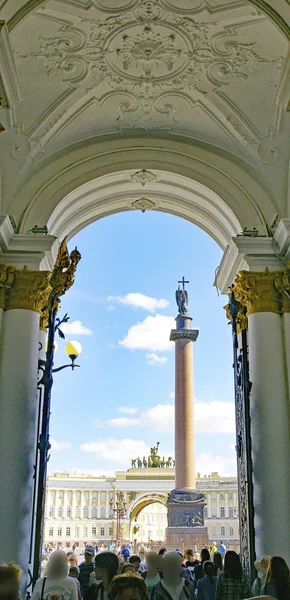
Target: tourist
143,564
56,583
173,586
128,586
10,577
185,572
218,562
72,560
135,560
127,568
86,568
75,573
206,586
190,559
197,571
277,581
261,566
152,574
162,552
222,549
125,554
106,567
232,584
214,548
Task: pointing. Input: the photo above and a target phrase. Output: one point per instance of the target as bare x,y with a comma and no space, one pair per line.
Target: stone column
18,392
209,505
73,504
218,504
269,411
184,336
226,504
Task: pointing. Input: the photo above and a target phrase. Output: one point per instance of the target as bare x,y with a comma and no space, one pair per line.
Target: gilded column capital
258,291
6,280
282,283
30,290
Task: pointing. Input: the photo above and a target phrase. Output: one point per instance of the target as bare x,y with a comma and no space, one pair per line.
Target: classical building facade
79,509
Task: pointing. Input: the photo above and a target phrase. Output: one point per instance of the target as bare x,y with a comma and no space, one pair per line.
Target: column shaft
286,332
184,415
270,435
17,431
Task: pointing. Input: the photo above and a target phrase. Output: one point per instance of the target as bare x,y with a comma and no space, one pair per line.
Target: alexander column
185,504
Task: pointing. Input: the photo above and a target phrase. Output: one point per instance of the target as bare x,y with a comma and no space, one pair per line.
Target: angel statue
181,296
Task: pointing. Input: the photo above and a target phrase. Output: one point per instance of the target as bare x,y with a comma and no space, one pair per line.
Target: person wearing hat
125,553
86,568
261,566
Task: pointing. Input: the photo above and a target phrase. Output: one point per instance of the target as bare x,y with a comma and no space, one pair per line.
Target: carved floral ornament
267,291
149,53
34,290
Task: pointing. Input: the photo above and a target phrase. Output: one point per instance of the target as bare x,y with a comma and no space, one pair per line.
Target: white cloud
59,446
120,451
151,334
224,465
140,301
123,422
128,410
75,328
172,395
111,308
159,417
154,359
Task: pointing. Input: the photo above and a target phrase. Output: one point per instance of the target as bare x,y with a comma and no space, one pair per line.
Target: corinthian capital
30,290
6,280
258,291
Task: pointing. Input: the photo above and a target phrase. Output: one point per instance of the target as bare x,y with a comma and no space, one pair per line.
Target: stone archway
139,504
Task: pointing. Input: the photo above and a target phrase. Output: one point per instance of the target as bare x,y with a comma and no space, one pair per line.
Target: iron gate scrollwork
236,313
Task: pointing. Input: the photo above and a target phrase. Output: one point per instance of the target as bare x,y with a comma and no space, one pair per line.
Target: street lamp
119,511
62,278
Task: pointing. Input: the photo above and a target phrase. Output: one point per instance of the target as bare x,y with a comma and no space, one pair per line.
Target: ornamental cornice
282,284
258,292
190,334
30,290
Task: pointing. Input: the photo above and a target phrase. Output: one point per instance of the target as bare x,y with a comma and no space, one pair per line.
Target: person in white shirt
56,585
173,586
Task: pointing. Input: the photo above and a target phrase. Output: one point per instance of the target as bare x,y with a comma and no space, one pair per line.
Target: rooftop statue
181,296
154,460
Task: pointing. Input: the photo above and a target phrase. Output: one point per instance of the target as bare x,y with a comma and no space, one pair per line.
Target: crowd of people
166,575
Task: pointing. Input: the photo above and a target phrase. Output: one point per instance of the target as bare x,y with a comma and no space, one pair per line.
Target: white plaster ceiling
213,71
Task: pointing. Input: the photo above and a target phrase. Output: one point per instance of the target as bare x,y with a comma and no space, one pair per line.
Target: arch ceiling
144,501
212,73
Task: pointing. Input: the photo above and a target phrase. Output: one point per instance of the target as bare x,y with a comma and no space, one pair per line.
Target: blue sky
120,402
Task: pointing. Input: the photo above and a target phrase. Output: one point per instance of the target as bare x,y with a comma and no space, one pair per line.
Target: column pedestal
186,519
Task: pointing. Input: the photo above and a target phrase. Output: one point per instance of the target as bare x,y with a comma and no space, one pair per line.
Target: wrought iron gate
236,313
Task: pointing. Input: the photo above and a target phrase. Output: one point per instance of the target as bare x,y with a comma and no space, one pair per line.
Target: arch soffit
143,501
231,180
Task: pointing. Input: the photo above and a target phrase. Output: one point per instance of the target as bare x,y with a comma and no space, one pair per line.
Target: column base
186,537
185,519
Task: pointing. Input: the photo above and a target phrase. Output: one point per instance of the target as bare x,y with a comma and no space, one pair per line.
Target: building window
59,531
77,532
111,513
223,531
102,531
231,511
94,512
213,495
85,532
59,511
231,495
86,495
95,495
103,512
222,511
86,512
94,531
213,530
213,512
60,495
50,531
103,496
111,531
222,496
51,511
231,531
67,532
78,512
68,511
78,496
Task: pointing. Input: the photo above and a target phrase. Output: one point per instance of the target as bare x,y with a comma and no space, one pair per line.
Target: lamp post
62,278
119,511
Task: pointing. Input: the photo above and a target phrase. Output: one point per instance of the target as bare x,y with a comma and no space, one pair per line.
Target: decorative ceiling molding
143,204
143,177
